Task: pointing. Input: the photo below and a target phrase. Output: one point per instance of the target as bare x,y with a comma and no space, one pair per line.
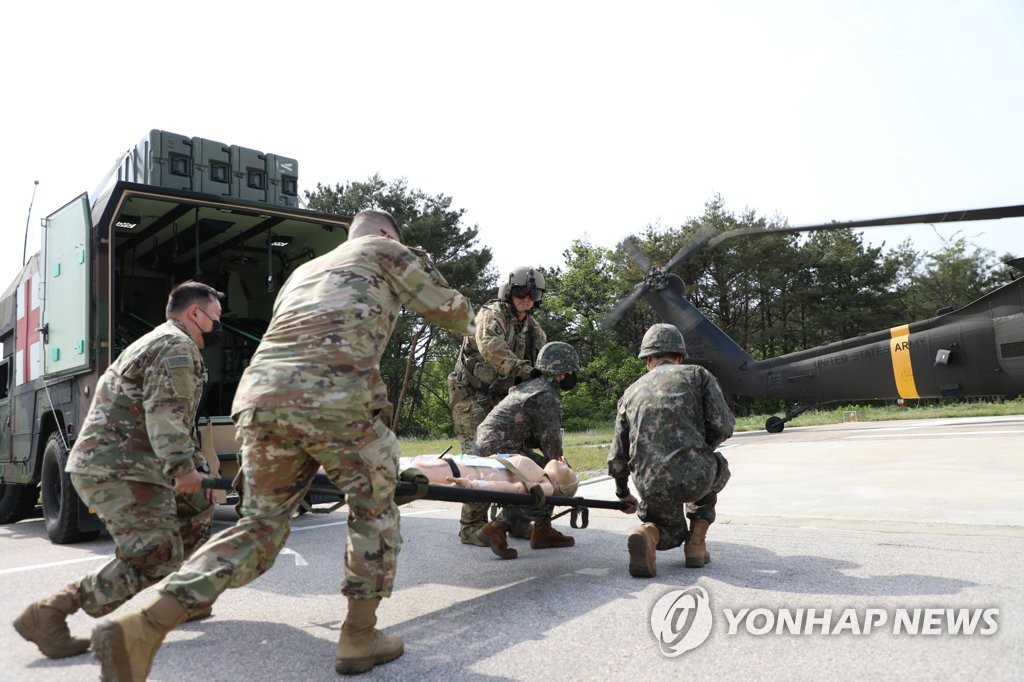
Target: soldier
311,396
501,354
668,424
530,415
136,463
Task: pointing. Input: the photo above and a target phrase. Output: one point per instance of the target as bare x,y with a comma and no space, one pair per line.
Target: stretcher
413,485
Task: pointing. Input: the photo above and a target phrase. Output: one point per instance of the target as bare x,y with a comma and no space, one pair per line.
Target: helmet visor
523,292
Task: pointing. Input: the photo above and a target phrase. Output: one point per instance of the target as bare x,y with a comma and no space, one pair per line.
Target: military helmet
555,357
662,339
522,281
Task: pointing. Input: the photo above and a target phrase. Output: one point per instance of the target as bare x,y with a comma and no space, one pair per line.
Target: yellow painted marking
902,369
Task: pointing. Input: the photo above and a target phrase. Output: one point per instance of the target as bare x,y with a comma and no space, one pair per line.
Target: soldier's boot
200,613
694,548
44,623
472,518
524,532
126,644
471,536
544,536
642,545
361,646
494,534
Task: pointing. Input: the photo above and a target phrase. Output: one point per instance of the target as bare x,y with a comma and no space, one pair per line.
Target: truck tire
60,501
17,502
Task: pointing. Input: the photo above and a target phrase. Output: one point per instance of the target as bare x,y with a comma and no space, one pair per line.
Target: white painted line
1000,432
34,567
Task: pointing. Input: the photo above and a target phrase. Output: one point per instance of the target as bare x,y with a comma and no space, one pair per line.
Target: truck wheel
60,501
17,501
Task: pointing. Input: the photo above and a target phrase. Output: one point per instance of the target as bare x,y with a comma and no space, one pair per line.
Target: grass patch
587,451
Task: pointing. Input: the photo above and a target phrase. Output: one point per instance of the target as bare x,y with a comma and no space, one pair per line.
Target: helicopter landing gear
776,424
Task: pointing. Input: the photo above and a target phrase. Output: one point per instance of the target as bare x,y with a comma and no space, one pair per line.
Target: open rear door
66,268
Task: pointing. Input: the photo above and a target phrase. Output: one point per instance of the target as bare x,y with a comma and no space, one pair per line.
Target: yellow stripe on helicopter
902,369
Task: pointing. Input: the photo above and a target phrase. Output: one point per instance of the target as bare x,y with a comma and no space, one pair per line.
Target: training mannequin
486,473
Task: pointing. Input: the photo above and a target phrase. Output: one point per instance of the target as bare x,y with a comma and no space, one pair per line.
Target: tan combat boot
126,644
495,535
360,646
642,545
694,548
200,613
44,624
544,536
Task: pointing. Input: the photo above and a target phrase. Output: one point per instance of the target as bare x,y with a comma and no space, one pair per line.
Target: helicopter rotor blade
700,239
707,237
624,304
636,253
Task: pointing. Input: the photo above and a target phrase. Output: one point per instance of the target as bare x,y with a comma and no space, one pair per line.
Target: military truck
173,208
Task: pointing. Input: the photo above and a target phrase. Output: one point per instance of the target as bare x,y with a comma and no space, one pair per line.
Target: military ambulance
173,208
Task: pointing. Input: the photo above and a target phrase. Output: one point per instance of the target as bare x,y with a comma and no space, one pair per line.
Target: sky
546,121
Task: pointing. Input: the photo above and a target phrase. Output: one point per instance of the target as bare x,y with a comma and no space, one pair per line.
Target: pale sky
546,121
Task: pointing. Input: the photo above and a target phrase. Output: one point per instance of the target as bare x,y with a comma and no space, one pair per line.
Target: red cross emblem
27,343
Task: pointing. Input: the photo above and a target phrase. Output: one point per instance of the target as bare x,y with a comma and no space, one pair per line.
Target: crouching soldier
668,424
530,415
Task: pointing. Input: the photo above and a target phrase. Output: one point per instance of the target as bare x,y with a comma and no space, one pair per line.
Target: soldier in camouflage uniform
137,463
667,427
529,416
312,396
500,354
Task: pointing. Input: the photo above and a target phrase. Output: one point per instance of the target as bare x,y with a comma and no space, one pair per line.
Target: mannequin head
562,477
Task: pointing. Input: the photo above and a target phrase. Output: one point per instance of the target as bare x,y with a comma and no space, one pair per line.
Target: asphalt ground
877,539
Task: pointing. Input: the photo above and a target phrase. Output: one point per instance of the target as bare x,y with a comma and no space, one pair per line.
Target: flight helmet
522,281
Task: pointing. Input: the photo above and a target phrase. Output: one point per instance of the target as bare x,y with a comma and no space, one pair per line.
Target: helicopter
976,350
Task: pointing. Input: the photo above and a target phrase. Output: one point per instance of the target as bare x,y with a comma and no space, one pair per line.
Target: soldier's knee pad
722,473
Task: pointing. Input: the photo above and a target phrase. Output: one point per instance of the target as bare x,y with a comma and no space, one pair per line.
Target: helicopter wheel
774,425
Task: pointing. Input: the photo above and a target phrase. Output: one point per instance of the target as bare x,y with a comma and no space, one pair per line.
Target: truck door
66,270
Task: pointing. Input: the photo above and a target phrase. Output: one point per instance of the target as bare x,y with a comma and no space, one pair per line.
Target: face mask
567,382
216,333
214,336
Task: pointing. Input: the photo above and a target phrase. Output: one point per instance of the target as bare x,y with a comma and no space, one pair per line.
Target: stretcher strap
538,493
418,479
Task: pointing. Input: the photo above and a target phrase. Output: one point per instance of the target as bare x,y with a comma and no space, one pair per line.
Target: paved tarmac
845,552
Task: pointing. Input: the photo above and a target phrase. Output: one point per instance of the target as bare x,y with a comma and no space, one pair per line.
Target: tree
579,298
950,278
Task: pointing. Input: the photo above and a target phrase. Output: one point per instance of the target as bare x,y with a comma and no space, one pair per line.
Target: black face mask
214,336
216,333
568,382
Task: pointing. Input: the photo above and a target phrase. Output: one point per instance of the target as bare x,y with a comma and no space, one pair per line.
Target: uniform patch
183,376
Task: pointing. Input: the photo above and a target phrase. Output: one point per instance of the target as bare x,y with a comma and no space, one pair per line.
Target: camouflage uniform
530,416
502,352
668,423
313,396
137,438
